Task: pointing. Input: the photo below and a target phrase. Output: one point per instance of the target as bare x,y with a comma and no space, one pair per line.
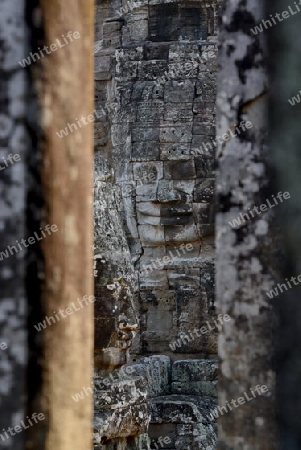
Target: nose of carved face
165,193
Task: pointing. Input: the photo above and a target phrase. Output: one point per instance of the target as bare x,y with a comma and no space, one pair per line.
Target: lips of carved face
170,205
178,214
172,212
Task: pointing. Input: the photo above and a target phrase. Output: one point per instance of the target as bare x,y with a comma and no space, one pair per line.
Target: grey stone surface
162,84
181,409
245,261
14,140
207,388
194,370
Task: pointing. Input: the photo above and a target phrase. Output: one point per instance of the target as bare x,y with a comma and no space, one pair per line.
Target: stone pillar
244,256
64,83
13,307
285,135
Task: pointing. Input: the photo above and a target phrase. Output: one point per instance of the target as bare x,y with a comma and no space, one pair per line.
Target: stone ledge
182,409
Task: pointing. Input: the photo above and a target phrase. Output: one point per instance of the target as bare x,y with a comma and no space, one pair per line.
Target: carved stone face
166,178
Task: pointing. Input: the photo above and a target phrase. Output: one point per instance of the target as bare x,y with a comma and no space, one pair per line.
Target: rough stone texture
285,135
13,307
244,259
64,86
196,377
115,279
122,407
155,78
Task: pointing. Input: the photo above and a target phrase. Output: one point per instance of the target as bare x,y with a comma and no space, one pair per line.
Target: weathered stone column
13,308
64,83
244,253
285,136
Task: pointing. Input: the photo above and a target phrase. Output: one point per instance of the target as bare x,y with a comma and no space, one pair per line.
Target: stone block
204,191
185,186
101,135
121,393
179,170
183,70
203,146
131,53
123,94
147,90
165,193
203,128
205,168
139,442
126,71
181,409
151,70
166,433
147,172
183,51
122,422
178,233
204,108
150,111
119,134
179,91
206,87
194,370
136,370
178,112
185,22
205,436
177,133
112,29
151,234
122,152
149,214
166,300
208,279
145,151
206,230
156,51
179,252
123,171
155,341
161,30
124,114
142,134
159,320
148,218
175,210
186,278
176,220
109,45
174,151
207,388
159,375
148,297
203,213
146,192
102,64
211,65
